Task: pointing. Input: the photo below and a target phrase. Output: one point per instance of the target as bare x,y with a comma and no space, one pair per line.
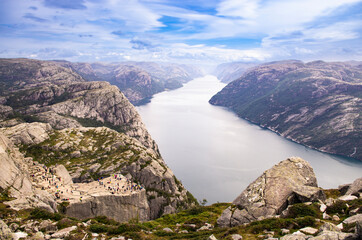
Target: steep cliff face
228,72
54,94
119,208
317,104
68,104
137,80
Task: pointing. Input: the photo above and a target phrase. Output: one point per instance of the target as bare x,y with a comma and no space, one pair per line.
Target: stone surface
236,237
19,235
62,172
120,208
327,226
355,187
330,235
212,237
290,181
14,175
353,219
64,232
5,231
359,229
28,133
167,230
294,236
48,226
39,236
347,198
323,208
309,230
326,216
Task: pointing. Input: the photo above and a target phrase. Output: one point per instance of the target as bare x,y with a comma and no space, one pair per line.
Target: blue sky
185,31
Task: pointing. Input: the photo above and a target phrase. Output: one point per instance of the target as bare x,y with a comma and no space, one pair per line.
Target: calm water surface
217,155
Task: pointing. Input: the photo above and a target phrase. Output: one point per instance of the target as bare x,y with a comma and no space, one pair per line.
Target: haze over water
216,154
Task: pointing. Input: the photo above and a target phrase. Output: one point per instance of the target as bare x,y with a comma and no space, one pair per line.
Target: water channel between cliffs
216,154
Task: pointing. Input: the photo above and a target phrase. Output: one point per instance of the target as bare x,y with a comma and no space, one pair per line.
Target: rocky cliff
317,104
228,72
137,80
15,179
39,91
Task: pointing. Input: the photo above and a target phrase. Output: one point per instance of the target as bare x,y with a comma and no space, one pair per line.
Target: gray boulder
330,235
327,226
295,236
355,188
353,219
290,181
5,232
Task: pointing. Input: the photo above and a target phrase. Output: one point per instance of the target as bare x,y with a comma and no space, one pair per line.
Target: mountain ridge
316,104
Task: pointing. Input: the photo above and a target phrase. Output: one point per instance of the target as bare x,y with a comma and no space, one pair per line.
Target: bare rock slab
292,180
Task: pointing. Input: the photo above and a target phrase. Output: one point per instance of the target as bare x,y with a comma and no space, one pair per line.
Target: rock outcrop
34,91
316,104
14,177
39,91
92,153
355,188
290,181
119,208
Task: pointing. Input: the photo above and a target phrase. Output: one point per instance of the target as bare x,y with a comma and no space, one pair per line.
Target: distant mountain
228,72
139,81
317,104
35,91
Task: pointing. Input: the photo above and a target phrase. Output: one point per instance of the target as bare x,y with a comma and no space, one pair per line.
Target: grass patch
303,210
39,213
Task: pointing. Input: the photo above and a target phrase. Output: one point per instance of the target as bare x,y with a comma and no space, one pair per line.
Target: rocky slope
228,72
15,178
317,104
40,91
329,214
137,80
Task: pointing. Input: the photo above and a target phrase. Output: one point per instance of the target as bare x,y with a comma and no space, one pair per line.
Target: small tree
203,202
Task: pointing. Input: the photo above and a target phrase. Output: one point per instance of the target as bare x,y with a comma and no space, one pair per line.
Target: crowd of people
46,178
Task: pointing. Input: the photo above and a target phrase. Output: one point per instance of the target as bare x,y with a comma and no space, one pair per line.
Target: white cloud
108,29
239,8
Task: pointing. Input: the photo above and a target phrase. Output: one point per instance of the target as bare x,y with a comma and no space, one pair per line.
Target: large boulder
355,188
290,181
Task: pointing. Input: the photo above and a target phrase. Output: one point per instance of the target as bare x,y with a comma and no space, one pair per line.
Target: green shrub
38,213
270,224
65,222
196,221
62,207
338,207
98,228
307,221
302,210
125,228
195,210
105,220
162,233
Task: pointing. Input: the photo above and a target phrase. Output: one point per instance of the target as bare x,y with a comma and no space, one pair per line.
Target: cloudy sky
181,30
